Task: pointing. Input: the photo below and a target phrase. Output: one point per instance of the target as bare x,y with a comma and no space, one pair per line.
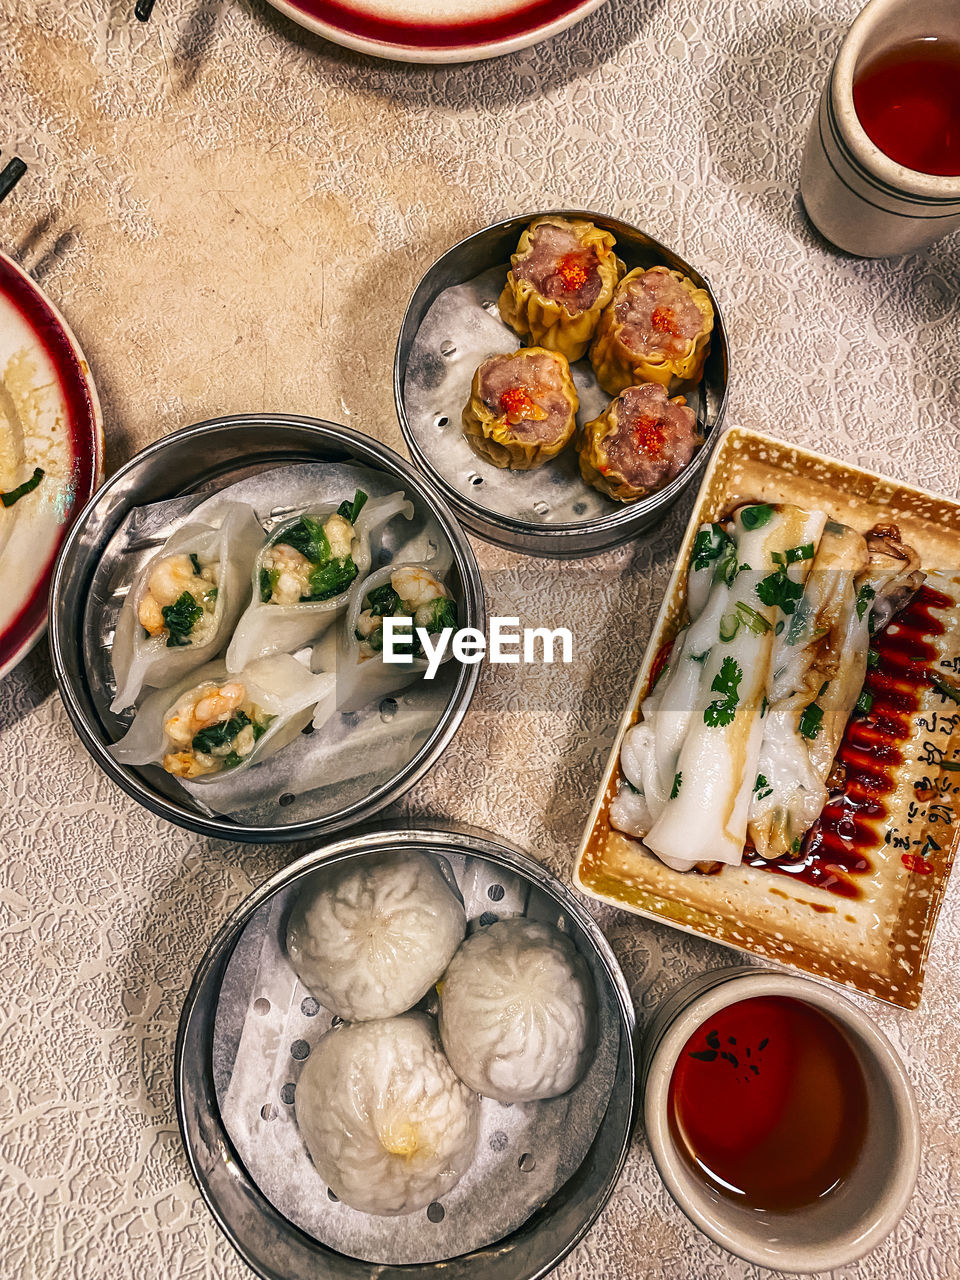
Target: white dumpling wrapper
370,937
388,1125
140,660
274,628
282,686
518,1012
362,682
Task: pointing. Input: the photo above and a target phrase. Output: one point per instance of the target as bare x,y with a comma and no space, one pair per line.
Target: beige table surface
232,214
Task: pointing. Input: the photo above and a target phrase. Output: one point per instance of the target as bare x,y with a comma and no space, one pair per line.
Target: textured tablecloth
232,215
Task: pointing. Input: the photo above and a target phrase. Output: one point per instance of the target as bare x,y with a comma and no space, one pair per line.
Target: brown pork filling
654,439
527,390
657,314
560,268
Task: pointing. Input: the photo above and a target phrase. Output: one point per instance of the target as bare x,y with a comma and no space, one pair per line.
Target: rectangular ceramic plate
871,928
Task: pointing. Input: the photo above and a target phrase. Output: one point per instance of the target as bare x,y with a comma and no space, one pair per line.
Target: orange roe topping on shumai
516,406
664,320
649,435
571,271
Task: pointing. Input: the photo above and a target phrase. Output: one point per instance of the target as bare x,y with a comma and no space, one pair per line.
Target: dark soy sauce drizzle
837,846
768,1104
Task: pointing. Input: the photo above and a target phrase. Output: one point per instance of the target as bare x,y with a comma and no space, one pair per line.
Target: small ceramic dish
860,909
49,421
843,1225
451,324
436,31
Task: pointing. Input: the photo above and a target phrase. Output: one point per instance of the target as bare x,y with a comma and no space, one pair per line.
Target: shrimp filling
180,600
410,593
310,560
213,727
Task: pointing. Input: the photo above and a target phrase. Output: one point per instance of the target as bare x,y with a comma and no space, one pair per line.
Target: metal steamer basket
264,1237
549,511
187,467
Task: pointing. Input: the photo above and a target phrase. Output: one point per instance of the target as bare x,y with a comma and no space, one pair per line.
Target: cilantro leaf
762,788
180,618
677,784
864,597
778,590
709,545
726,682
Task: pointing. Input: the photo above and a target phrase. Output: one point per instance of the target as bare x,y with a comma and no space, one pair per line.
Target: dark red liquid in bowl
908,101
768,1104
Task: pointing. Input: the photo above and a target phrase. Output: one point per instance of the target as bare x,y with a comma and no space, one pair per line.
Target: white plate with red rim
436,30
50,423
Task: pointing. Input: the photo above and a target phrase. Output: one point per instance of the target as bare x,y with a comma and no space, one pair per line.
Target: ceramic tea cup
855,194
843,1224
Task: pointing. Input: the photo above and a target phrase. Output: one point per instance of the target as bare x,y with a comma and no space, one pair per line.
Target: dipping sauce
768,1103
908,101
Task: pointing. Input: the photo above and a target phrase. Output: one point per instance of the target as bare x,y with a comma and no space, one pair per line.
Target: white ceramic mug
853,192
839,1228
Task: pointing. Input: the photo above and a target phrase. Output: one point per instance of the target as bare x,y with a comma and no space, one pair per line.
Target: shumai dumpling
388,1125
639,443
562,276
518,1012
522,409
369,938
656,329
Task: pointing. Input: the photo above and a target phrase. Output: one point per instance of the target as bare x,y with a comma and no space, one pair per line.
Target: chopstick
10,175
143,9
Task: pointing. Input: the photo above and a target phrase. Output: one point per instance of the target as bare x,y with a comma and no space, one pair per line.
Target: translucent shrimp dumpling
369,938
388,1125
518,1012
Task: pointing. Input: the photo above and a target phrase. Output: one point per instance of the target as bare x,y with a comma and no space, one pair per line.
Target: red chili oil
908,101
838,846
768,1104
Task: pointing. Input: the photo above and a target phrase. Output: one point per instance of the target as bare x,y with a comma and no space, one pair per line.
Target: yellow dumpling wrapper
522,409
550,322
678,332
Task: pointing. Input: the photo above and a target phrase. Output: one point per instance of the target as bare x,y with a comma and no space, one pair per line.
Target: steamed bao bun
518,1012
388,1125
370,938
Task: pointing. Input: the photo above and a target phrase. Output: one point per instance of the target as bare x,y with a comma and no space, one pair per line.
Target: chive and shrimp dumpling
303,573
370,937
389,1126
400,591
656,329
639,443
522,409
182,606
212,724
561,277
518,1012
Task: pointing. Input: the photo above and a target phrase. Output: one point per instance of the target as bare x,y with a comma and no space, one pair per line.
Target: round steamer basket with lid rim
567,519
266,1240
200,461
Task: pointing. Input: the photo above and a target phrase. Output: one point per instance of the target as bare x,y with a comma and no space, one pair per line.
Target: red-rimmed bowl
436,30
49,418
